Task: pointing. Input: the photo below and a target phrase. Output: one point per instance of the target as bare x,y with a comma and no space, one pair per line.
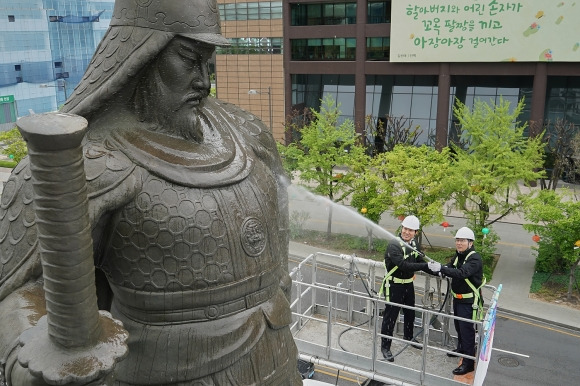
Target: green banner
485,31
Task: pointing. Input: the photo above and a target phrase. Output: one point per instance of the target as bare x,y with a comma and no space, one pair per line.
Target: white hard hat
465,233
411,222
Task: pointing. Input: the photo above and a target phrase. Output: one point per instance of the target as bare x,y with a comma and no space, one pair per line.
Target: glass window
229,12
350,13
265,10
401,105
252,45
328,12
485,91
314,14
276,10
421,106
378,48
241,11
378,12
323,14
434,105
350,49
253,11
323,49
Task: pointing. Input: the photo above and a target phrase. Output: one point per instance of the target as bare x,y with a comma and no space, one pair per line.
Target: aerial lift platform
338,326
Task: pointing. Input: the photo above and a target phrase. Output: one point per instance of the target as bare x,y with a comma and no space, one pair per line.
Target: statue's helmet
196,19
138,31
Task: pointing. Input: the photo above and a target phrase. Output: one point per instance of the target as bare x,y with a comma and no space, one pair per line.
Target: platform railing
338,307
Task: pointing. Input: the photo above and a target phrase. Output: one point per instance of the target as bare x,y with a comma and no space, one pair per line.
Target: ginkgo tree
411,180
494,158
555,218
327,155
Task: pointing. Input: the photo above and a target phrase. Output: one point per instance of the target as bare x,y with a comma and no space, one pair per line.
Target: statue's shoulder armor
105,168
254,131
105,165
18,232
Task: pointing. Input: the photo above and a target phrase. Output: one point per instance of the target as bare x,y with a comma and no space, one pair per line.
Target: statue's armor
174,238
190,257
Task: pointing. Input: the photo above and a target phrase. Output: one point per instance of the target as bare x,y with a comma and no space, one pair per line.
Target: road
526,352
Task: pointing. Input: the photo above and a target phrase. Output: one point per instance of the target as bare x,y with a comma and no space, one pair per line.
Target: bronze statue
187,208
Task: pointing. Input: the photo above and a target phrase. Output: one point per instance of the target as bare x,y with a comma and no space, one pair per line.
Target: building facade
343,48
45,47
250,72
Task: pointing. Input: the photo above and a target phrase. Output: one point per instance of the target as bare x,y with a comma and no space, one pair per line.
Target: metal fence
324,313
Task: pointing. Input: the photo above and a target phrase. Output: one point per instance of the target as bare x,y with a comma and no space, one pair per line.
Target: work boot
387,354
464,368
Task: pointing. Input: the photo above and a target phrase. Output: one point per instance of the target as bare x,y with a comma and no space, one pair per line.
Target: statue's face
183,69
173,86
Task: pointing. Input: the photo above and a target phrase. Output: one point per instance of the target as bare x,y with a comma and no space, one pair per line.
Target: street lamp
269,92
44,85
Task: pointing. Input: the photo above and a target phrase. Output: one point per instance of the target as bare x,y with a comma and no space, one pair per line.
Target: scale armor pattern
174,238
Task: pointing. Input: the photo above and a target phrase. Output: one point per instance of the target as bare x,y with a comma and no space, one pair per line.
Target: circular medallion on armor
253,236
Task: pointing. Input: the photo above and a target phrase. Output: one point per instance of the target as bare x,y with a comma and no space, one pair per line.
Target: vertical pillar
538,104
443,94
360,87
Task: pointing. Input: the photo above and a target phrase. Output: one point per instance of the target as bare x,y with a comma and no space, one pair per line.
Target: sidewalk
514,270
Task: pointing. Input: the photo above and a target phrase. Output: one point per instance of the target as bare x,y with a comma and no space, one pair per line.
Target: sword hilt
75,342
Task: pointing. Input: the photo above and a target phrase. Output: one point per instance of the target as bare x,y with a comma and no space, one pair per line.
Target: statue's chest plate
174,238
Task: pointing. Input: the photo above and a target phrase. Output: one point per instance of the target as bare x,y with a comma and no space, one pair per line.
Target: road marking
559,330
510,352
333,373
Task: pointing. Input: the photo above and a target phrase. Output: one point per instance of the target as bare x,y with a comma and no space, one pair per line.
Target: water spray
301,192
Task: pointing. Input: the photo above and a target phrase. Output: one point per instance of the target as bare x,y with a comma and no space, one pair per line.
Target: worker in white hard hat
466,272
402,258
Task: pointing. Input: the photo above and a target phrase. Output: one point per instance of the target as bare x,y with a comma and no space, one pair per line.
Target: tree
324,146
411,180
555,217
559,142
389,131
493,159
14,145
364,198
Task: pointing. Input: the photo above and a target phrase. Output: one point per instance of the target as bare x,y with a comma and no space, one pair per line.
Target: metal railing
323,312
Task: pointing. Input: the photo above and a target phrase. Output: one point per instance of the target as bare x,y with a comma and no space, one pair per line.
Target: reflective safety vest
476,293
384,291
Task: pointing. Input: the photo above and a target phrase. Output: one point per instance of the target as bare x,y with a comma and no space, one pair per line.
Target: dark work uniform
466,265
399,288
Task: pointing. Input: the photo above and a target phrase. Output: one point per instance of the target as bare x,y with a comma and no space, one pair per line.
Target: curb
538,319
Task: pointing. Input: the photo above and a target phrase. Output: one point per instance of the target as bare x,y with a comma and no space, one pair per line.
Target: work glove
434,266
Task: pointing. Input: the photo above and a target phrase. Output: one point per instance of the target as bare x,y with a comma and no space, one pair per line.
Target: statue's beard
152,101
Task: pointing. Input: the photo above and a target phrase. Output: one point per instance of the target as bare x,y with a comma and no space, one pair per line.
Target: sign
7,99
487,341
485,31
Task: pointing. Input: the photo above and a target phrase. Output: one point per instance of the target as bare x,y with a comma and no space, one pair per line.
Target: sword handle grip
64,230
